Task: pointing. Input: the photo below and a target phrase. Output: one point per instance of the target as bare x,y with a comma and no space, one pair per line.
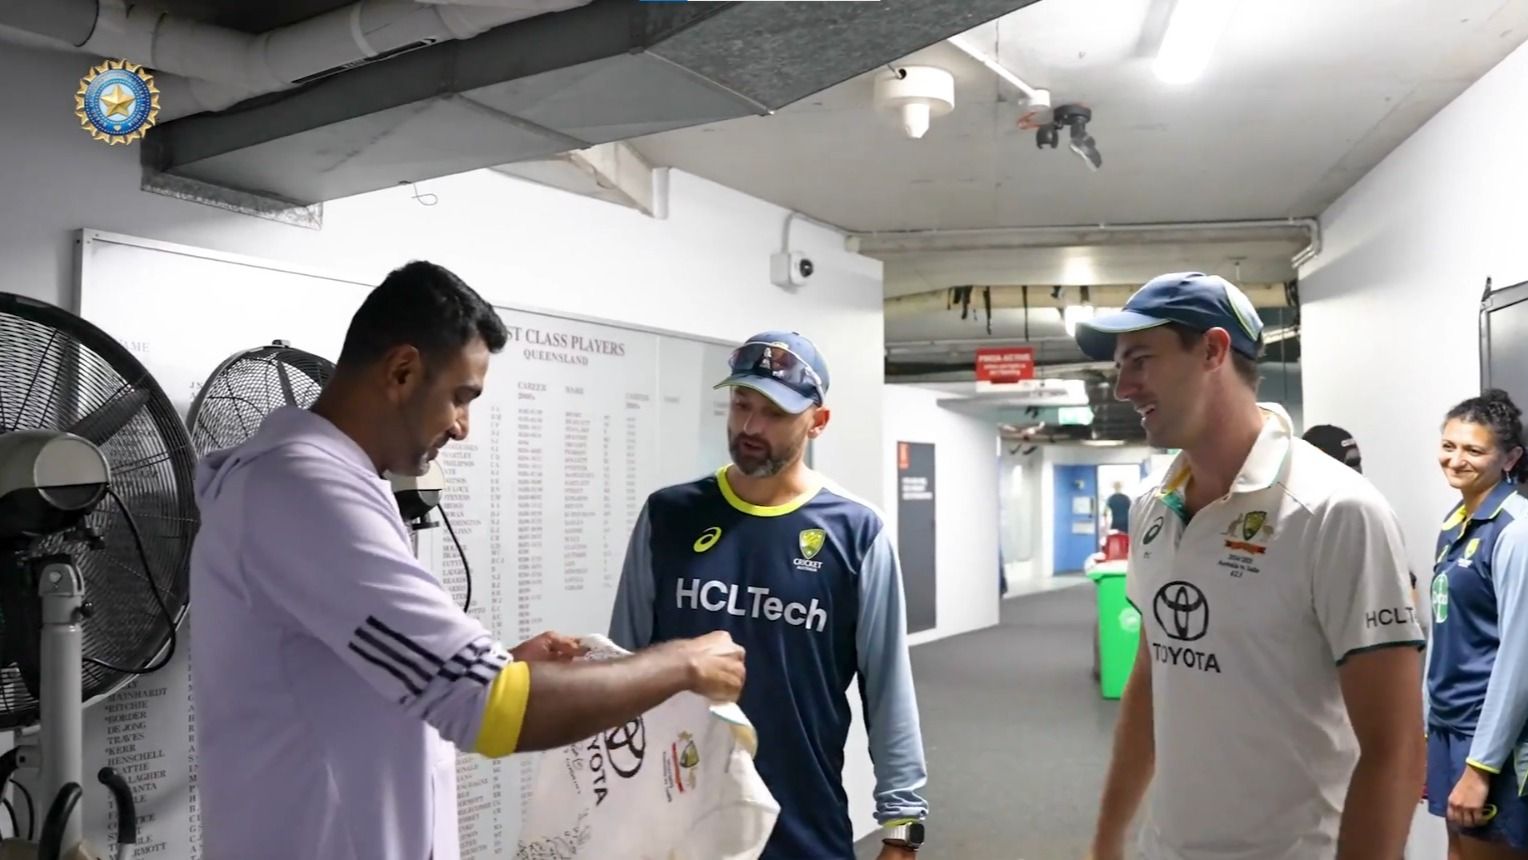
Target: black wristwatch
907,834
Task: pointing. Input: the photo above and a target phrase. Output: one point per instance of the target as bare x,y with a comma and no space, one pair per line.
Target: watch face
915,833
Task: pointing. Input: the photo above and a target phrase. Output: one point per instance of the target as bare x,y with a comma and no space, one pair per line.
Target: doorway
1076,517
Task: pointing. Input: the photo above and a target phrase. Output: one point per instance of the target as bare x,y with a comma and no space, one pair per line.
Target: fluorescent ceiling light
1190,38
1071,315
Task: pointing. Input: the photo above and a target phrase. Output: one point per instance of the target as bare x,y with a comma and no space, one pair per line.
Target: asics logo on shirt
708,539
751,602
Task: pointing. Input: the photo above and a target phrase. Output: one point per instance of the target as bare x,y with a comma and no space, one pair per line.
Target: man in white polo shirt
1275,702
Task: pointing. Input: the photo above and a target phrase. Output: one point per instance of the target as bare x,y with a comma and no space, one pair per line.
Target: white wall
702,271
965,504
1390,306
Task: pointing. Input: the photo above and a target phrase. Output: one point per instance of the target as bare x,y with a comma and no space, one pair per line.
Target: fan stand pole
62,590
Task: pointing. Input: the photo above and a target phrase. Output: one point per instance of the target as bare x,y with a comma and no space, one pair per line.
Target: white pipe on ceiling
884,242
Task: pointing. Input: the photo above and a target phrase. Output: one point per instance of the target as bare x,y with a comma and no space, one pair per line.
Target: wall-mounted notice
915,532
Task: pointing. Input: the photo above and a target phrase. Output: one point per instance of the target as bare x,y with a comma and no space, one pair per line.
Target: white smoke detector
918,94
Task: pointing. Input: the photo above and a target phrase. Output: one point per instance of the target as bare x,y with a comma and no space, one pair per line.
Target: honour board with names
543,505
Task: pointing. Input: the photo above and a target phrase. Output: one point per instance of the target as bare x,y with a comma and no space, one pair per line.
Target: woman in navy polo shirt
1477,673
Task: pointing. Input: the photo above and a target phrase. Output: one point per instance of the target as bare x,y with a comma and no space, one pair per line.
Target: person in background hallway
327,662
1337,443
1477,669
1275,702
1119,509
805,576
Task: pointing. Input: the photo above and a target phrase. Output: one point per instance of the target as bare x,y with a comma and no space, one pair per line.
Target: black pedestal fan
97,520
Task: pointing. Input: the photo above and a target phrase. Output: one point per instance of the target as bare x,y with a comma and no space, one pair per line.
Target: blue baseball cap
782,365
1193,299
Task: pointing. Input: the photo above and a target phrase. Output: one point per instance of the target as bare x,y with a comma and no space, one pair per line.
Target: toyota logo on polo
1181,611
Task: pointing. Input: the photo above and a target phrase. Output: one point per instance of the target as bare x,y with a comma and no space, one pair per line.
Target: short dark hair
1245,367
1494,409
425,306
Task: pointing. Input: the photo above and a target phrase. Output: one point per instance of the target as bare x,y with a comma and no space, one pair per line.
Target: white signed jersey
678,783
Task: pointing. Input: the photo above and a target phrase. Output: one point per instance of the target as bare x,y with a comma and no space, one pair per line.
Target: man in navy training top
805,578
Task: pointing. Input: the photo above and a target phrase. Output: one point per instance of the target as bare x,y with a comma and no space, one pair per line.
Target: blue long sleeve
631,619
1505,711
891,705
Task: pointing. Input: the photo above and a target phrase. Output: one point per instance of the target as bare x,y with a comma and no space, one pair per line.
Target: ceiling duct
605,71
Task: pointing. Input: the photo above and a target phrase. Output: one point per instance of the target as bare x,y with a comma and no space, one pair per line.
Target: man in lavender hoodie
325,659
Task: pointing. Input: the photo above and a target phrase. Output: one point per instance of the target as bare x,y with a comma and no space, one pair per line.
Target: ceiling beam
1046,296
884,243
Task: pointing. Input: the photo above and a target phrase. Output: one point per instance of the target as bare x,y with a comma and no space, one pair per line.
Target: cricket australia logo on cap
1246,312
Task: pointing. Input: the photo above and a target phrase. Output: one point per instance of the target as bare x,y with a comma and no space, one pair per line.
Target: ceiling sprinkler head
918,94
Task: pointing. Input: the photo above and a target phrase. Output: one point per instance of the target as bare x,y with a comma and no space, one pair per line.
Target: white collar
1264,462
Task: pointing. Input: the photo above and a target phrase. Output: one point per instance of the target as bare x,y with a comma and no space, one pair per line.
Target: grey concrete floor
1016,734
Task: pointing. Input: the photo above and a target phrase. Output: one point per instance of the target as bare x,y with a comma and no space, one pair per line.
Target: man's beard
764,465
417,457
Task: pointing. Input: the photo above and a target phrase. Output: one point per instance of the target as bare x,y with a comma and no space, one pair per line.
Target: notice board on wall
916,538
580,421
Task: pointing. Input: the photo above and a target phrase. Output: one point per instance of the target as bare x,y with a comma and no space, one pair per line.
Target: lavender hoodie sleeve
324,548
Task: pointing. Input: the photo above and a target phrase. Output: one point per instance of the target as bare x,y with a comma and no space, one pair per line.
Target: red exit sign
1005,363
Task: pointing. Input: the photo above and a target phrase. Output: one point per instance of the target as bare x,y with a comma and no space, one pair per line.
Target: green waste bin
1118,632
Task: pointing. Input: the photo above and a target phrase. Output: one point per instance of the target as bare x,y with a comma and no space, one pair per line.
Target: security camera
790,269
1075,118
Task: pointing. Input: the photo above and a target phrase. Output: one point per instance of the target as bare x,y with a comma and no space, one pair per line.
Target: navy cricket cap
1193,299
782,365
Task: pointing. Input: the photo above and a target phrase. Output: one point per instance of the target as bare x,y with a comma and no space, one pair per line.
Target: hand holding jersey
675,783
548,646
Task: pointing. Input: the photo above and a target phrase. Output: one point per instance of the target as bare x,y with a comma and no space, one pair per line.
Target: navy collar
1495,501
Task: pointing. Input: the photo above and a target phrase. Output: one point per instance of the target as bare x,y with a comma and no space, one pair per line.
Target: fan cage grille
59,372
247,387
